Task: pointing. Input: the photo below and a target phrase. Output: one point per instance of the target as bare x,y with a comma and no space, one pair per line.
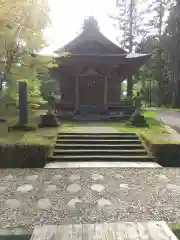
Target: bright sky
67,17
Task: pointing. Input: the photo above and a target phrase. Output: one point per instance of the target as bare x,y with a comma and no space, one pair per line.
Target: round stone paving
119,176
56,177
9,178
50,188
3,189
72,202
25,188
44,203
58,207
97,187
97,177
74,188
163,178
173,187
12,203
123,187
104,202
32,177
74,177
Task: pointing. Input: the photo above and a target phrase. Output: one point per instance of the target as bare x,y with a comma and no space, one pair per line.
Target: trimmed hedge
23,156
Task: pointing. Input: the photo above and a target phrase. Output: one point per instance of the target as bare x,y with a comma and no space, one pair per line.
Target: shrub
23,156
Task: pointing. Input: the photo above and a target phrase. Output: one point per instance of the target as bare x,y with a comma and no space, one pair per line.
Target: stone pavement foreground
150,230
87,195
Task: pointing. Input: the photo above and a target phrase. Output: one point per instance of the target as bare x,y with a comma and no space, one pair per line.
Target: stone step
96,134
102,164
85,152
99,146
103,158
98,141
104,137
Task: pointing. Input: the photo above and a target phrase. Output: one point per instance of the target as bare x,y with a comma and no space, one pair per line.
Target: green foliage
158,76
34,94
48,85
22,23
129,23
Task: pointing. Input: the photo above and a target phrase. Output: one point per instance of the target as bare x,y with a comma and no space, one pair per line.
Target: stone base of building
96,113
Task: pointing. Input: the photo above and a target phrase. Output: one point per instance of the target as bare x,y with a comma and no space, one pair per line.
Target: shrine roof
105,58
90,40
127,55
92,46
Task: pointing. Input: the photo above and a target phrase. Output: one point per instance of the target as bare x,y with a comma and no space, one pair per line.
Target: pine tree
157,22
129,24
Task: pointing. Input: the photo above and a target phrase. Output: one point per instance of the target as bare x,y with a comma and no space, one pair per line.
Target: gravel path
89,195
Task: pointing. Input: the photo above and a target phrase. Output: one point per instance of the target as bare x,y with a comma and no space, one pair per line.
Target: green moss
155,127
44,136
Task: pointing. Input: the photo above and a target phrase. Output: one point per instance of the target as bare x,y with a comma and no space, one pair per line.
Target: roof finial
90,23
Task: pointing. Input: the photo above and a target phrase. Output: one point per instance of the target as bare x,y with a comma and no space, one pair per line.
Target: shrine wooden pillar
129,86
107,75
105,92
77,91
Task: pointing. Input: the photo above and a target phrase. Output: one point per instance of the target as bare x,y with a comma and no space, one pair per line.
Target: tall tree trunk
129,80
160,79
176,102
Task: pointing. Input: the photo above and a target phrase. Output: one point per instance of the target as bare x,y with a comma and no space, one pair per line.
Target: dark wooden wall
67,88
91,88
114,89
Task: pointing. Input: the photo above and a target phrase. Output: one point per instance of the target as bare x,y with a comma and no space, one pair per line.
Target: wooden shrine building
90,76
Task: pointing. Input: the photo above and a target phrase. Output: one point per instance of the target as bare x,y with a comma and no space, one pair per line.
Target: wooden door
91,90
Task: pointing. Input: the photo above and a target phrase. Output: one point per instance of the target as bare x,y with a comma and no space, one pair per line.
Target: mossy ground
155,127
46,136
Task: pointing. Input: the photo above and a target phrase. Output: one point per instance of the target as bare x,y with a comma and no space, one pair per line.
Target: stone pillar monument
23,103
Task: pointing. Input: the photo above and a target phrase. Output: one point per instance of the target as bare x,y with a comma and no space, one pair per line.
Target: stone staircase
119,147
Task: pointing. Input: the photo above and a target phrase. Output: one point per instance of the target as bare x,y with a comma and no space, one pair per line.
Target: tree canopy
22,23
160,22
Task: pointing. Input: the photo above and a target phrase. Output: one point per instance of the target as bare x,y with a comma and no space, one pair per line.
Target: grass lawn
155,127
43,136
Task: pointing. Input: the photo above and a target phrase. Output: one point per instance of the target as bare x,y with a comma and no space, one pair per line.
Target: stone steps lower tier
121,147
